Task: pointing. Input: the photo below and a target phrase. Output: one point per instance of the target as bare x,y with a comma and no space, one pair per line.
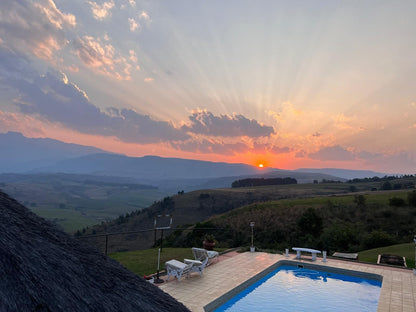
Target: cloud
336,153
37,27
54,98
205,146
143,16
399,162
101,12
226,146
269,148
133,24
55,16
204,122
102,57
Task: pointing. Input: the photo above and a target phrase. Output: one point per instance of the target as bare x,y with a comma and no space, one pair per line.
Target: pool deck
398,291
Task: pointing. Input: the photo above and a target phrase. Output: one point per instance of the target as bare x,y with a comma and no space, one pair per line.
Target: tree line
263,181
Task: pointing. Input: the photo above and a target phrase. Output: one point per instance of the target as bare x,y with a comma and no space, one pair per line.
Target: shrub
397,202
377,239
339,237
310,223
411,198
359,200
386,186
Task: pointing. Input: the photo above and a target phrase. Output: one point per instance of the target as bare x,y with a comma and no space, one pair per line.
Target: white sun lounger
177,268
204,255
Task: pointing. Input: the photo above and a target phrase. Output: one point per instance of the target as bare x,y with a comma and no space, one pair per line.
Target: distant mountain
344,173
21,154
150,168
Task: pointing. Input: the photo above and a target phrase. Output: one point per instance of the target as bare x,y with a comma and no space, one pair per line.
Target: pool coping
236,290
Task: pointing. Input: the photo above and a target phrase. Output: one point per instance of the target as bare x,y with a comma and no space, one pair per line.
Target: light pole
252,237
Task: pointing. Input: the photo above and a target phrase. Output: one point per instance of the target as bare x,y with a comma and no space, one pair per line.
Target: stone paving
398,291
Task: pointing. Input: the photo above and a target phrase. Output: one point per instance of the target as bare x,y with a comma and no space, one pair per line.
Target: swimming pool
291,288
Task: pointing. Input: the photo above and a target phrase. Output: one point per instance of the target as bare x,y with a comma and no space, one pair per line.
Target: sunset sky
291,84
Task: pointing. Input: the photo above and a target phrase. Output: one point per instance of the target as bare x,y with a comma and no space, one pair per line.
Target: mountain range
35,155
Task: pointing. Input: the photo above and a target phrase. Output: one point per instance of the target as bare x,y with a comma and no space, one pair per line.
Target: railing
142,238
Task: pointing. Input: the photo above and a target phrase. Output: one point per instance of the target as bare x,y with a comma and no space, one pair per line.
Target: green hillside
344,223
405,250
276,211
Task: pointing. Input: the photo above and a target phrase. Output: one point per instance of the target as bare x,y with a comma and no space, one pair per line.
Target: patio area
398,291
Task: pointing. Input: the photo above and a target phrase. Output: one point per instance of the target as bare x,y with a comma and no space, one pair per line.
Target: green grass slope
344,223
276,211
406,250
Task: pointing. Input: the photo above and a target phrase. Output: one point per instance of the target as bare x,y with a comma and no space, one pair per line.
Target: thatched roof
45,269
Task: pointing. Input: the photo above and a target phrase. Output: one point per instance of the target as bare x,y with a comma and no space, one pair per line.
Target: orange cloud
101,12
103,57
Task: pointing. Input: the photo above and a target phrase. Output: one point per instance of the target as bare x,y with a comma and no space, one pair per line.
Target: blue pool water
292,289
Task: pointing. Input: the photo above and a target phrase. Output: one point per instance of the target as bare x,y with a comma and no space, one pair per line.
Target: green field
74,202
404,250
144,262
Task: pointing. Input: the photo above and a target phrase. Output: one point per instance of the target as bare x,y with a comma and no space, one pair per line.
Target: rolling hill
198,206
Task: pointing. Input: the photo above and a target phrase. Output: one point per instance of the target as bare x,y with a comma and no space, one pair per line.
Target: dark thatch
45,269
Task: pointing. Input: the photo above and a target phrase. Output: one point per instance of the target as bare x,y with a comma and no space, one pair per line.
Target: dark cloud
55,98
207,147
370,156
333,153
204,122
258,147
300,154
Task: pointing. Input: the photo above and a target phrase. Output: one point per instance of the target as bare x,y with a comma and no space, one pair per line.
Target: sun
261,166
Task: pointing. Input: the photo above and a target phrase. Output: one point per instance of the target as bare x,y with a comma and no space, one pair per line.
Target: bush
386,186
377,239
397,202
411,198
310,223
339,237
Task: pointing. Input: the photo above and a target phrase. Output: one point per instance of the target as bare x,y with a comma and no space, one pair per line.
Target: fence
144,239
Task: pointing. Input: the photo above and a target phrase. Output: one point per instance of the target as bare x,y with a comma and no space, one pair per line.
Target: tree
378,239
397,202
411,198
386,186
310,223
359,200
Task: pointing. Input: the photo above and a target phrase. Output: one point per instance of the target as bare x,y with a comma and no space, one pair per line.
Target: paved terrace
398,291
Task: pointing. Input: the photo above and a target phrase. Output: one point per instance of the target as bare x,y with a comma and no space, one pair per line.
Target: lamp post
252,237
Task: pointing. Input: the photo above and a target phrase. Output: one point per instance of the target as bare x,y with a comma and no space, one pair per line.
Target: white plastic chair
204,255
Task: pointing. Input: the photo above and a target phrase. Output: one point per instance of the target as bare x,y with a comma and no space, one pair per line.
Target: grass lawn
404,250
144,262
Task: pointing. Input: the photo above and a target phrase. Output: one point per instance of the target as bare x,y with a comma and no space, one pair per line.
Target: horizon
286,85
261,167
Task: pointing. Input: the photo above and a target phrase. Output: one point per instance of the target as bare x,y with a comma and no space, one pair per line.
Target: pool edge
228,295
